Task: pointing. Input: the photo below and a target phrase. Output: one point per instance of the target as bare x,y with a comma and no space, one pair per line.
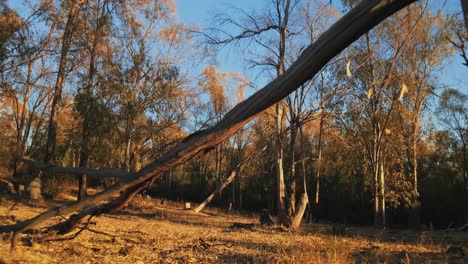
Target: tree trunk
218,168
465,177
382,214
218,190
359,20
239,193
319,159
304,199
299,214
375,171
50,157
82,186
415,207
280,186
236,171
293,178
22,134
464,5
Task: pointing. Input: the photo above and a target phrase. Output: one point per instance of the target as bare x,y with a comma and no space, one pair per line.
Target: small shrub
141,202
55,186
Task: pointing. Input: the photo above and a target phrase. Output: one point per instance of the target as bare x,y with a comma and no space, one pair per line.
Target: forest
287,117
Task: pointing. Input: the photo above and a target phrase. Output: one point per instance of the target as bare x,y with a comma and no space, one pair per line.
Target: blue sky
200,12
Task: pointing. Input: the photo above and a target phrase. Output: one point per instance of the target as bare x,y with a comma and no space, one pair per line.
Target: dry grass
148,232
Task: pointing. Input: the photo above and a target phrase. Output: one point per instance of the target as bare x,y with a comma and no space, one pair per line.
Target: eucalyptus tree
65,40
273,36
26,76
418,65
376,81
453,113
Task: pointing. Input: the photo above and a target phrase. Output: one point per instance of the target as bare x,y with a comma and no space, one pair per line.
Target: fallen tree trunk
101,173
358,21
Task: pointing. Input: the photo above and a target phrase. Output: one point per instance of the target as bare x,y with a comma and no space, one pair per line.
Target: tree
11,24
272,32
72,8
420,59
453,113
25,80
380,83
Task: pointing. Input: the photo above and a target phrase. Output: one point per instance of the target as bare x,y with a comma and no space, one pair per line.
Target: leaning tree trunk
235,172
358,21
218,190
304,200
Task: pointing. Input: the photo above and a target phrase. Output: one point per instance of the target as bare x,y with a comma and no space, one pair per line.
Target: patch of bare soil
150,232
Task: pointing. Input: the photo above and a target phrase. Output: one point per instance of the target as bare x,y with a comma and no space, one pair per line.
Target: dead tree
350,27
77,171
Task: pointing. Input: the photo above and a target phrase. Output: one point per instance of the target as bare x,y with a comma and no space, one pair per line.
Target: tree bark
359,20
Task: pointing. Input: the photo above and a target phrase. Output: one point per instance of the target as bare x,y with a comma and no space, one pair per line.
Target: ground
149,231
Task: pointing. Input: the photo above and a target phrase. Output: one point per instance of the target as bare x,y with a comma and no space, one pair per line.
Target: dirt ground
151,232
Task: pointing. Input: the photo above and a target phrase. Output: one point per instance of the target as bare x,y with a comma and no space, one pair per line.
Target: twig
458,228
11,208
85,227
201,242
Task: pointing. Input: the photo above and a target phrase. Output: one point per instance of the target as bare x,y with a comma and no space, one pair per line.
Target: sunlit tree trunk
304,199
217,191
319,154
382,220
280,186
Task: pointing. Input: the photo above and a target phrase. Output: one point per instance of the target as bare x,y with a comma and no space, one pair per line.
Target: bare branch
103,173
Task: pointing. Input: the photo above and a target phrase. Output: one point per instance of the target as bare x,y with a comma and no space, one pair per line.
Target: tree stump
20,189
34,190
266,218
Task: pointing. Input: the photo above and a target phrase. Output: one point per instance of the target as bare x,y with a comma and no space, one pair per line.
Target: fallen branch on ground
76,171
